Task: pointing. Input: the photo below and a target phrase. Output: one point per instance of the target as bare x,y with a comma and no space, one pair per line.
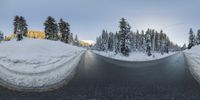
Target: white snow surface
193,59
133,56
37,62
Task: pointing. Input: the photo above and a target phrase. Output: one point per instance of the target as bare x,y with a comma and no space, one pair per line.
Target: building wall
30,34
8,38
36,34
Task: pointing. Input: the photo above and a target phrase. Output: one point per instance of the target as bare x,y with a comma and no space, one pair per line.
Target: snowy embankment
193,59
36,63
133,56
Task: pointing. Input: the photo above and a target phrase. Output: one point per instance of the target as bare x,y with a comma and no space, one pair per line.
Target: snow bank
134,56
37,63
193,59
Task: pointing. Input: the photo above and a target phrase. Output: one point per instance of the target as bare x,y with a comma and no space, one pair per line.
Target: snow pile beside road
193,60
36,62
133,56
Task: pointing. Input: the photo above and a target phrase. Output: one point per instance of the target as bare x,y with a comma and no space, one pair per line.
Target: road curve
100,79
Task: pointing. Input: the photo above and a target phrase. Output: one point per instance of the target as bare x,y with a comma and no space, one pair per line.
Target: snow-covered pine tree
166,48
191,39
23,26
152,38
137,37
156,40
16,24
143,41
148,43
51,28
117,43
76,41
139,42
98,43
198,37
124,37
64,29
110,41
71,38
20,27
163,43
104,40
132,41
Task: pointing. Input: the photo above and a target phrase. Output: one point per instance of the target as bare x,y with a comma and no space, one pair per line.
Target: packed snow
37,62
193,59
133,56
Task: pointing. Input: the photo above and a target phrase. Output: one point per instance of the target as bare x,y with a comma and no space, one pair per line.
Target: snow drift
33,63
193,59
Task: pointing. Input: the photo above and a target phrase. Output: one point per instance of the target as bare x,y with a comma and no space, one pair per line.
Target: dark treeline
53,30
125,41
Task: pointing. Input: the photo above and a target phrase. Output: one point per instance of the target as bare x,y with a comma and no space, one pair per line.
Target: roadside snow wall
40,81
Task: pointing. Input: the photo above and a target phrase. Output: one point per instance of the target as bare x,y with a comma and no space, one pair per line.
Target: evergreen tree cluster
20,27
193,39
125,41
52,29
59,31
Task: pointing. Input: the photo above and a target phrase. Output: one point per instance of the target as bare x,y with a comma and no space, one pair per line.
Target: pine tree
110,41
162,44
16,24
64,28
104,40
98,43
137,40
124,37
51,28
23,26
71,38
161,41
166,45
76,41
191,39
132,41
117,43
143,42
148,43
198,37
20,27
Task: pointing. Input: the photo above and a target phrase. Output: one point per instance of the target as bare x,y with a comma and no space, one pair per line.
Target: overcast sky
88,17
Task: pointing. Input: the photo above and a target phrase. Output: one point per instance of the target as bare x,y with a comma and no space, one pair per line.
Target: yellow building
36,34
8,38
84,44
30,34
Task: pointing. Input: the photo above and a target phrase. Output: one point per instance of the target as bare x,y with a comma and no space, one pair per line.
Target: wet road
101,79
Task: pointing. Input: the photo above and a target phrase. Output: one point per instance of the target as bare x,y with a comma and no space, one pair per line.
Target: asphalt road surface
101,79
